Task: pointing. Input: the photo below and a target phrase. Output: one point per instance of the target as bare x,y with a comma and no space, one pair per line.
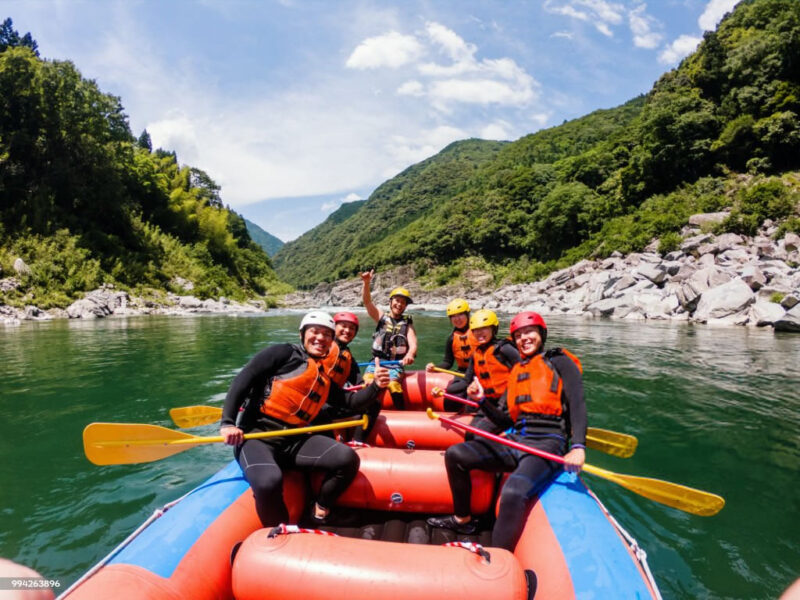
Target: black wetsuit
263,461
530,474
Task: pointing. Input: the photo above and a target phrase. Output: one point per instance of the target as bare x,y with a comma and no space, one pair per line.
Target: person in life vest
489,365
544,404
461,342
395,338
285,386
343,371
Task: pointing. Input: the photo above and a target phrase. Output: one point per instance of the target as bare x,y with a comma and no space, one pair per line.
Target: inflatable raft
209,544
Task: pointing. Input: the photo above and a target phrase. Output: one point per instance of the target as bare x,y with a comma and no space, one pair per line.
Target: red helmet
528,318
346,316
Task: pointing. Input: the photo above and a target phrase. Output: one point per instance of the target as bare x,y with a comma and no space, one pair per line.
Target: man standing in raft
285,386
544,403
394,337
489,366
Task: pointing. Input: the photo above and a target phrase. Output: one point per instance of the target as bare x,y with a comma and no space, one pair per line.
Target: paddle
454,373
195,416
677,496
131,443
383,362
616,444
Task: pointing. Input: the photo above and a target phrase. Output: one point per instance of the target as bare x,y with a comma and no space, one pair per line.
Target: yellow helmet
457,306
401,291
483,318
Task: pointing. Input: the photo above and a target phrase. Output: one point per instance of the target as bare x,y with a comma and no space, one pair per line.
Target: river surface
714,408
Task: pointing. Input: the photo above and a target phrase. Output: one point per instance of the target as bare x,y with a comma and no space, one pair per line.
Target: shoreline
725,280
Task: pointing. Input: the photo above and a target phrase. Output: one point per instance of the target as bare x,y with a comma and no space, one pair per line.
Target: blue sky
294,107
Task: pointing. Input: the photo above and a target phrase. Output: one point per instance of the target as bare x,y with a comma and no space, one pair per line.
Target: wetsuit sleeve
498,414
448,359
573,393
354,400
458,386
255,373
509,354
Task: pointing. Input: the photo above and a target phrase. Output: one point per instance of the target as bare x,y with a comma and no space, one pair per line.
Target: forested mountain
722,130
268,242
83,202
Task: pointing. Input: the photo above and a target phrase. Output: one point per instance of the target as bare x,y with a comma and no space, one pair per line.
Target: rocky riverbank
719,280
107,301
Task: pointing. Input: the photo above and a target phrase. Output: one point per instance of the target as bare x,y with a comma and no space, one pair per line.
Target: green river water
715,409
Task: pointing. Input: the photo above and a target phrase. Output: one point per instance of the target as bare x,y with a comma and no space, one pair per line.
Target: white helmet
317,317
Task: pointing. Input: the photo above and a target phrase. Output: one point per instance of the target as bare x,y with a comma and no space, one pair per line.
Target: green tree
10,38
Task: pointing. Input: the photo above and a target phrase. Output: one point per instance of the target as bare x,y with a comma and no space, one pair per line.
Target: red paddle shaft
498,439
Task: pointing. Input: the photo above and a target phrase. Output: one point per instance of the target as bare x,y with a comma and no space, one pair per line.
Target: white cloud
563,34
455,47
683,46
499,130
642,28
389,50
604,29
411,88
601,14
714,12
406,150
328,207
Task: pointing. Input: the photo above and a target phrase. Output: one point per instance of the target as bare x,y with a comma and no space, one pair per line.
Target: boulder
654,272
791,242
724,301
688,296
789,301
685,272
609,307
706,260
20,268
189,302
701,219
763,312
790,321
753,277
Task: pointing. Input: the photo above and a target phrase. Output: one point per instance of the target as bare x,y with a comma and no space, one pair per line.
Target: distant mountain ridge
266,240
721,132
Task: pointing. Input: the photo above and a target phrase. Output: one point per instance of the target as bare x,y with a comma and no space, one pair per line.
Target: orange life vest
296,397
492,373
338,364
534,387
463,346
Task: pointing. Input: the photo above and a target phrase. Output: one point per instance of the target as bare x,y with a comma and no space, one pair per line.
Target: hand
408,359
574,459
381,375
232,434
475,390
367,276
429,367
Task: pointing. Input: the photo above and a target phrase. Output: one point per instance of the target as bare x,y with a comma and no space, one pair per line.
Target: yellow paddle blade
614,443
131,443
675,495
194,416
454,373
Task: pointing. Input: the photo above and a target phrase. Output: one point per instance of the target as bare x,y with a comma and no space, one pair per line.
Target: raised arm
366,295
